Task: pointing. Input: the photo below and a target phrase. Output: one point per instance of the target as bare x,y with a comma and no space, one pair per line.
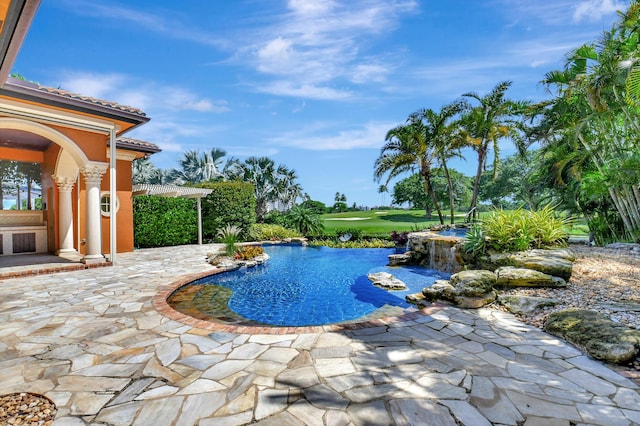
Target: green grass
377,222
380,223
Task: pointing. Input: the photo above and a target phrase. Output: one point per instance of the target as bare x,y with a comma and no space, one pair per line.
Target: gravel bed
603,280
26,409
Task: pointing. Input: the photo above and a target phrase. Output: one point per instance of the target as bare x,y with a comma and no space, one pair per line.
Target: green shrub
475,241
518,230
230,203
248,252
363,243
270,232
305,220
355,233
162,221
229,236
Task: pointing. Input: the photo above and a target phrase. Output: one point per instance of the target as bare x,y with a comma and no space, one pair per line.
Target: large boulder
525,305
557,262
467,289
400,259
595,333
473,282
386,281
509,276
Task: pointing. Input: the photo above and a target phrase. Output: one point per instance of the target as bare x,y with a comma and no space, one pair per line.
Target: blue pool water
453,232
300,286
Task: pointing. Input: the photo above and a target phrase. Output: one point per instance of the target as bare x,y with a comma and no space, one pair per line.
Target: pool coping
159,302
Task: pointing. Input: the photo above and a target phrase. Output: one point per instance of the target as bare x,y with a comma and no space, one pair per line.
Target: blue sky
315,85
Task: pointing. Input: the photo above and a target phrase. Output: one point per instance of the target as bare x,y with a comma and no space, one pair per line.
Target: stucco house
84,158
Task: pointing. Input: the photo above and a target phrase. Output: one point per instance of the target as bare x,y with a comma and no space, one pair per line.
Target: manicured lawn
382,222
379,222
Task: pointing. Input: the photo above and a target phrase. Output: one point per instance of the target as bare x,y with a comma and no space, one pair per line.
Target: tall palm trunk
482,153
429,188
450,187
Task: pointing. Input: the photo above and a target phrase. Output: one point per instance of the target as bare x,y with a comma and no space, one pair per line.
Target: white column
65,213
92,178
199,220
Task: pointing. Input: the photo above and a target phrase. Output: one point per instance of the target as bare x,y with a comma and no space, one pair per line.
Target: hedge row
161,221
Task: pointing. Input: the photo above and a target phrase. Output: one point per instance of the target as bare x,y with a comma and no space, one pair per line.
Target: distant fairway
382,222
378,222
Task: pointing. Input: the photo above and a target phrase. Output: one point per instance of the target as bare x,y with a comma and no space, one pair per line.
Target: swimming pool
301,286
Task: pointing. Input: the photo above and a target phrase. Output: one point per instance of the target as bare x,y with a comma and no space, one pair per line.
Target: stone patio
93,341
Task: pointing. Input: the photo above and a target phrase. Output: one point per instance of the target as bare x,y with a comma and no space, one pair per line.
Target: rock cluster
475,288
221,261
596,334
386,281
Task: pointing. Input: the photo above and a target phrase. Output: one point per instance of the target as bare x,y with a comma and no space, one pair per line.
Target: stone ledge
596,334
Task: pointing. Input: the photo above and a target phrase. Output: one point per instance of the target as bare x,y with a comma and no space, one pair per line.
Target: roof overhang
15,19
170,191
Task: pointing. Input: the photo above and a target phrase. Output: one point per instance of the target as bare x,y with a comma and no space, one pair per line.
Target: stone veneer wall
435,251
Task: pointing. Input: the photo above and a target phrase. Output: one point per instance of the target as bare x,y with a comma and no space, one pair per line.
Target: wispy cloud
145,95
594,10
561,12
121,15
314,45
323,137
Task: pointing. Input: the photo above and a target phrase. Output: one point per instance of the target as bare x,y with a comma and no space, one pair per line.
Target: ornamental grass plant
518,230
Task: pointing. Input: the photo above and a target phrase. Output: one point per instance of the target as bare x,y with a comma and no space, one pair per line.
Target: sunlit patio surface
97,343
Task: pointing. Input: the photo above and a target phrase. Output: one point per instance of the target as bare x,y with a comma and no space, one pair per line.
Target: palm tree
486,124
305,220
196,167
592,109
441,136
408,147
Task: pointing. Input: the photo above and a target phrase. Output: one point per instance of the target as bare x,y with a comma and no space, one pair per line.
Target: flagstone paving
94,343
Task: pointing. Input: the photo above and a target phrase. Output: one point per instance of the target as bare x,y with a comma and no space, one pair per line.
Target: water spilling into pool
301,286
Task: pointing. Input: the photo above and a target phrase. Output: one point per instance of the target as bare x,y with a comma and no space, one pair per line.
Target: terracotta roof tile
101,102
137,145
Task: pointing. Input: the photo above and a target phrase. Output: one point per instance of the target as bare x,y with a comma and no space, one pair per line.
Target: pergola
175,191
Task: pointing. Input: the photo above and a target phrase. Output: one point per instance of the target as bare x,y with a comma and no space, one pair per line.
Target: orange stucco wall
21,155
124,215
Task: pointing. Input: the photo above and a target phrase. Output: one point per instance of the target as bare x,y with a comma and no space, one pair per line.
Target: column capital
65,183
93,173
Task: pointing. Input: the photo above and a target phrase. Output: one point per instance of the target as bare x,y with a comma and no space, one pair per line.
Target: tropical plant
273,186
518,230
483,126
361,243
304,220
446,140
399,238
229,236
408,147
196,167
475,242
271,232
248,252
592,115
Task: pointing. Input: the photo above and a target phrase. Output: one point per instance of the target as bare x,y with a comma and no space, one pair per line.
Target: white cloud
308,91
594,10
315,44
137,17
318,137
143,95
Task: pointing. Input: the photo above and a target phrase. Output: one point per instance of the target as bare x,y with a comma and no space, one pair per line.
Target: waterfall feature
433,251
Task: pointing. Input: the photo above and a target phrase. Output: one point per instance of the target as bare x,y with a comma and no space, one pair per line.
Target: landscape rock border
596,334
